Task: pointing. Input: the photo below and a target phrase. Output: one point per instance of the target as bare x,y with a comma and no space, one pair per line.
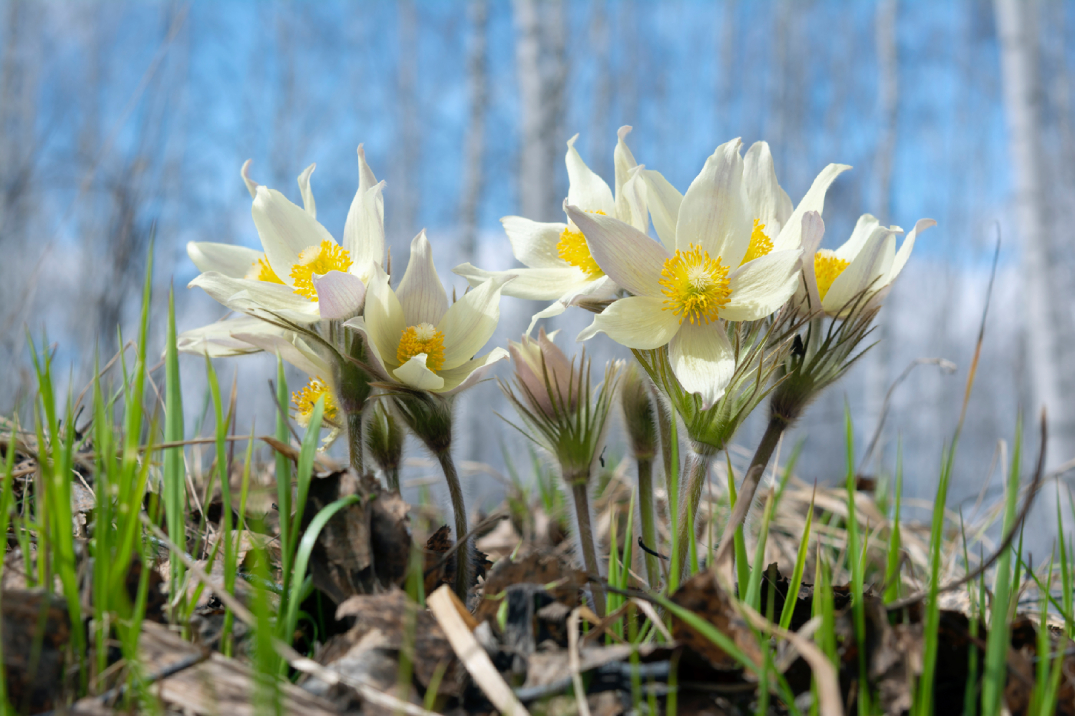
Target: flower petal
602,288
470,322
663,201
790,236
864,229
761,286
813,230
339,295
534,242
415,374
246,295
636,322
629,257
768,202
420,292
864,273
233,261
623,160
363,232
217,340
631,201
308,202
539,284
702,360
373,357
906,247
462,377
285,230
291,349
251,185
714,212
384,322
585,189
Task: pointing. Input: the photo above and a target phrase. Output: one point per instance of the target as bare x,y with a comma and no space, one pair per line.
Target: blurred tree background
125,120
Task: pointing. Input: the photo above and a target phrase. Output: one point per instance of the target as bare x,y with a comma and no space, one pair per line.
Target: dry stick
586,541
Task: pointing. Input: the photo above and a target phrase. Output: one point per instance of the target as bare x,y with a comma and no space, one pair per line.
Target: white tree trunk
474,149
1022,99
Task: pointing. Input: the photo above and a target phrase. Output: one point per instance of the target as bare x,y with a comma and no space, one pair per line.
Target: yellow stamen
760,245
826,268
319,259
573,249
306,399
260,270
419,339
695,284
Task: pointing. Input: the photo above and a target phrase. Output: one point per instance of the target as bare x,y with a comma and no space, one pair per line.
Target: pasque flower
303,274
560,267
544,373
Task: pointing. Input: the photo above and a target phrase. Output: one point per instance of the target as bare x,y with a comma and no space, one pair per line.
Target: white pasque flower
303,274
559,264
867,262
683,293
415,338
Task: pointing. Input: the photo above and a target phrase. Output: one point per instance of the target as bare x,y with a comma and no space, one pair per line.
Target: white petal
554,309
905,249
636,322
466,375
285,230
339,295
865,271
533,242
631,201
366,179
470,322
542,284
415,374
585,189
769,203
384,322
790,236
373,356
702,360
217,340
663,201
761,286
714,213
813,231
601,289
632,259
245,295
420,292
308,202
251,185
233,261
623,160
292,351
864,228
363,232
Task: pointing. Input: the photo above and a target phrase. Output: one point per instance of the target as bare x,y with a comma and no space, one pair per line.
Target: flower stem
697,469
393,479
354,440
648,512
586,542
664,426
463,555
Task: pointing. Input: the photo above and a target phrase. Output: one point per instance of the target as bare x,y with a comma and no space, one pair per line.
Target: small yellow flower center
573,249
319,259
826,268
695,284
760,245
260,270
306,399
419,339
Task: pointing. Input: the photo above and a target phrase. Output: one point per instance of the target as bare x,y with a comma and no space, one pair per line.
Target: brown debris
702,595
35,634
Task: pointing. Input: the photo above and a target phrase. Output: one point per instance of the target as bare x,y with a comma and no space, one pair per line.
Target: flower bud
547,378
384,440
639,413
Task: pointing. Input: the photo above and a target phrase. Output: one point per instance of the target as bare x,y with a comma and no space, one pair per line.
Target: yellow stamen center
306,399
760,245
319,259
573,249
260,270
826,268
695,284
419,339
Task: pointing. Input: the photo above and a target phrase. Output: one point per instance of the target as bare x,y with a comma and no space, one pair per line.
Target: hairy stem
354,439
648,512
664,427
462,556
697,469
586,542
392,475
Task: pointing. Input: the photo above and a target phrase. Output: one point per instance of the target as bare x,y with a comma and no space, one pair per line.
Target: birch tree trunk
474,151
1022,99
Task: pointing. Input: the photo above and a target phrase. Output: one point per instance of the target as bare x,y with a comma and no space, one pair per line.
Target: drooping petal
631,201
702,360
340,295
459,379
905,249
714,213
285,230
585,189
217,340
233,261
769,203
289,348
534,243
308,202
373,355
384,322
663,201
470,322
864,229
761,286
864,273
632,259
251,185
790,236
623,160
415,374
636,322
420,292
245,295
602,289
540,284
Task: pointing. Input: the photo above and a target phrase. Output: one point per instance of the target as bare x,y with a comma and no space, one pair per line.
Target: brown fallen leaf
562,581
702,595
24,613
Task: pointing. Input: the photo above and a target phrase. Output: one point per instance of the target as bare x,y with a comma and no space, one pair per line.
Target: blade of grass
174,487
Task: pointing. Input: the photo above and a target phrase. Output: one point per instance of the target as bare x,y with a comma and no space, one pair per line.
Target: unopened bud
384,439
639,413
547,378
